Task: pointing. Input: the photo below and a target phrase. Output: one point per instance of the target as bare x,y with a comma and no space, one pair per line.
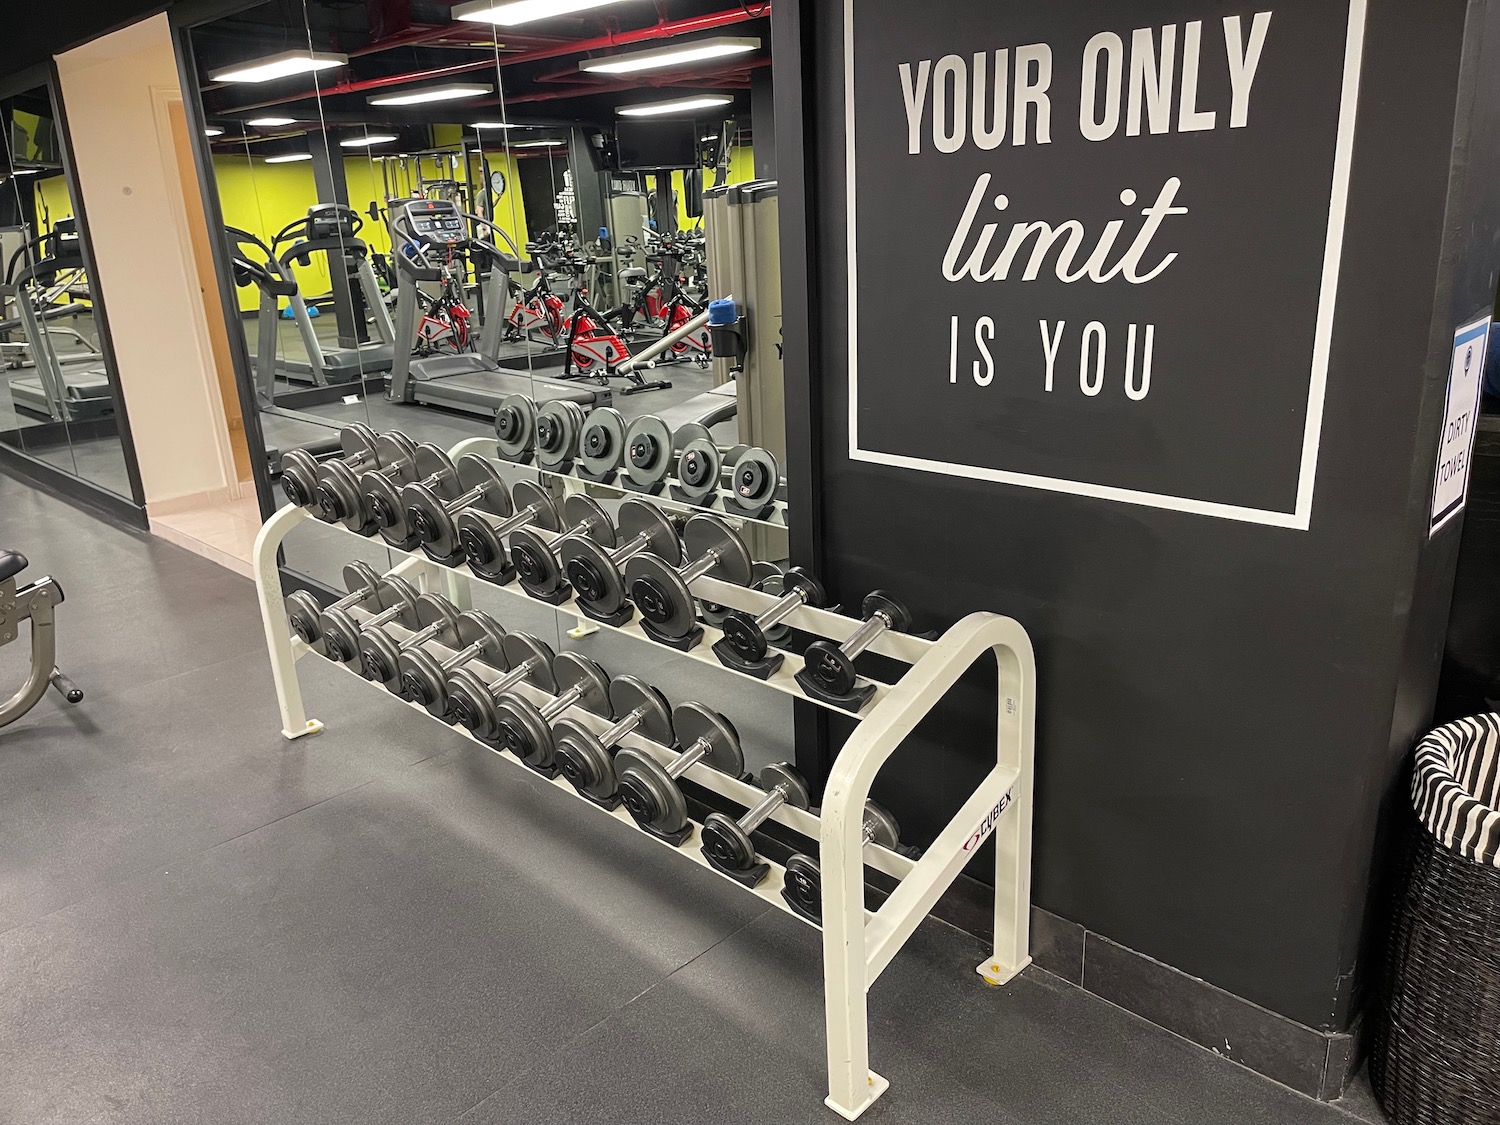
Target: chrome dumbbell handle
788,604
772,801
352,598
862,638
702,564
612,736
520,672
689,758
562,702
519,519
385,616
463,656
461,502
423,635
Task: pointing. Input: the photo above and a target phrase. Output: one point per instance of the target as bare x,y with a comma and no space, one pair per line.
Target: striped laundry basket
1435,1052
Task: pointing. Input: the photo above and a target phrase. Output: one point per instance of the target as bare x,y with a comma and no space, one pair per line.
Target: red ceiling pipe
660,30
704,83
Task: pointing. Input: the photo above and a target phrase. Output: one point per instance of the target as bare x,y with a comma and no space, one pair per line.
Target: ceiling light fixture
664,58
452,91
537,144
678,105
26,172
213,131
498,125
368,140
289,158
508,13
269,122
283,65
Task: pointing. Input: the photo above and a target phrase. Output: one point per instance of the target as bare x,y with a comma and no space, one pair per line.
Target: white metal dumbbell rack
857,943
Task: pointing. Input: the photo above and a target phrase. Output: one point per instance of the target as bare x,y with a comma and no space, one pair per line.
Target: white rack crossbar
857,943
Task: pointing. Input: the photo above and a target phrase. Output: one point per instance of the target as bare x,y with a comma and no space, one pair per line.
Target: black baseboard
75,490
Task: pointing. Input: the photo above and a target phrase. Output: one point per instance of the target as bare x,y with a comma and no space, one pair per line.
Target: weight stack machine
743,227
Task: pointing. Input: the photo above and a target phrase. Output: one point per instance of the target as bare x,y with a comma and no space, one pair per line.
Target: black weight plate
789,781
704,533
627,694
422,681
299,477
302,614
476,627
578,510
660,595
574,671
529,494
358,442
435,468
648,451
601,445
755,478
557,426
698,469
693,721
515,427
428,518
664,808
689,432
522,731
387,511
640,517
894,609
535,563
519,648
475,472
380,658
396,451
593,575
583,760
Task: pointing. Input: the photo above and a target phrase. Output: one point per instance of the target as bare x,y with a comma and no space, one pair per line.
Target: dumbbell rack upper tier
857,944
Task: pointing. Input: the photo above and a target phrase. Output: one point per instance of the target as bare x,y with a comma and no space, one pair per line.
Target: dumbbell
299,468
803,887
727,844
431,467
525,729
558,424
650,792
339,496
698,465
744,646
303,611
424,678
482,537
828,669
430,508
587,759
535,559
472,702
601,445
341,632
380,654
594,571
662,591
515,428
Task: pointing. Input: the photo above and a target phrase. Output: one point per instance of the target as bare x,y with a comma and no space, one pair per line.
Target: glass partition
57,395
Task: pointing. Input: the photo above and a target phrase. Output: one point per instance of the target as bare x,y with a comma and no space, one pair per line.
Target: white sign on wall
1465,380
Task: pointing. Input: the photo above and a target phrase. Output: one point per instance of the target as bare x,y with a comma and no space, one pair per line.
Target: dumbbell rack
857,943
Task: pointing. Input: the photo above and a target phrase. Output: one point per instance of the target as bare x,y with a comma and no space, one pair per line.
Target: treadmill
255,263
430,237
58,389
332,229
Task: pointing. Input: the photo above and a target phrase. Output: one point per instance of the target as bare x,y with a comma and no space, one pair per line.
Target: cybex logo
987,825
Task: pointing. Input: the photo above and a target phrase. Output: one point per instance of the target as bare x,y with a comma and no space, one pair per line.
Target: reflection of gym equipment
63,391
33,602
331,229
432,238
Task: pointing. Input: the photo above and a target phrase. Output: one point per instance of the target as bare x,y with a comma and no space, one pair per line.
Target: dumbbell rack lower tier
857,943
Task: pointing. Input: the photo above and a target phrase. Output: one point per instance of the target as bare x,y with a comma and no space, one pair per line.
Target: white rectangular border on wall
1299,519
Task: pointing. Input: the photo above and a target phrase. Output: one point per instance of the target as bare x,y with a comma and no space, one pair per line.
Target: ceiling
397,43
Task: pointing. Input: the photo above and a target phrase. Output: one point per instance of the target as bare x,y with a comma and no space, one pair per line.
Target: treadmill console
435,222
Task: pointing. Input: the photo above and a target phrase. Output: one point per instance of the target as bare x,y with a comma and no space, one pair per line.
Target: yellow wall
262,198
741,168
53,202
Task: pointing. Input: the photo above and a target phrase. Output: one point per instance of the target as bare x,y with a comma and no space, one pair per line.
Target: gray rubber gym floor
202,922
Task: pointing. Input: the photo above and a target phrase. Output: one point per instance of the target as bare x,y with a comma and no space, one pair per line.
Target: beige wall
120,92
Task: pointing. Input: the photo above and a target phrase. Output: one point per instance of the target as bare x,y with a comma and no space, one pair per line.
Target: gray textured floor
202,922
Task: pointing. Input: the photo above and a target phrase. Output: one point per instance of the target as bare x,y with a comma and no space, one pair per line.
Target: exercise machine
433,242
331,229
63,390
34,602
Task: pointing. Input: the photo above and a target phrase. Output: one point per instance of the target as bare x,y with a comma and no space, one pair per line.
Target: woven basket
1435,1051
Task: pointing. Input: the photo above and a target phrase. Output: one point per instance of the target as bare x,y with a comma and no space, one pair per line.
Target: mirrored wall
488,226
58,400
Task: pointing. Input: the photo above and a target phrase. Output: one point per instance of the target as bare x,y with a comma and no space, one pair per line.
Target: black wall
33,34
1223,705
